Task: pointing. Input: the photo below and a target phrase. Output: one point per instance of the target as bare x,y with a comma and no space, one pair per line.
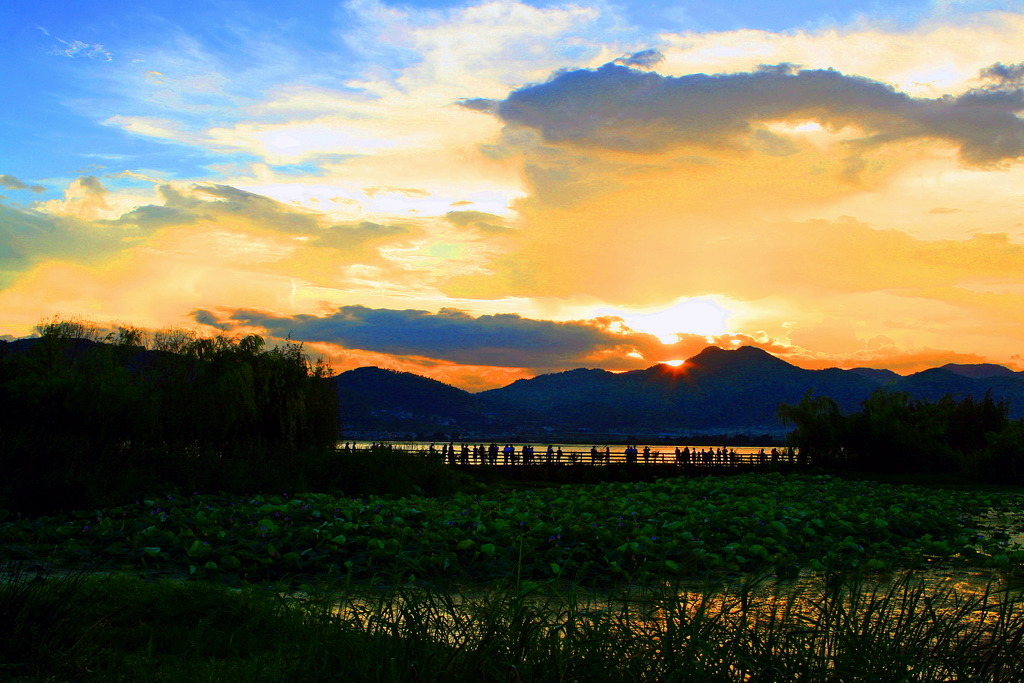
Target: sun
673,363
686,316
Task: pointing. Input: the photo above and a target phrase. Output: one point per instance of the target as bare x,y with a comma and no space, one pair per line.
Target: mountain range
718,391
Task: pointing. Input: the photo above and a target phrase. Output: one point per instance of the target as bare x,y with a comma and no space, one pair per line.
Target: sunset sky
480,192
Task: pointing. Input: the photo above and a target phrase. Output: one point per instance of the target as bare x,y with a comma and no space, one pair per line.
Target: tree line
893,433
87,414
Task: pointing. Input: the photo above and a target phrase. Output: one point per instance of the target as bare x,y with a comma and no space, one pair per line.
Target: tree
819,429
82,409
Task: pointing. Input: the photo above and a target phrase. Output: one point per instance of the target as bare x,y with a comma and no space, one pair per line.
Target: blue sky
426,169
70,65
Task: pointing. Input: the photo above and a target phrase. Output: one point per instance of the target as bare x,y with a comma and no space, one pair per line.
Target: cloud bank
497,341
623,109
12,183
506,340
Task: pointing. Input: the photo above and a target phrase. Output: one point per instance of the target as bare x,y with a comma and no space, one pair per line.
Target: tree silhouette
78,404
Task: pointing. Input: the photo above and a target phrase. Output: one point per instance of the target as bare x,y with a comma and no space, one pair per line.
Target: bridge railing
583,456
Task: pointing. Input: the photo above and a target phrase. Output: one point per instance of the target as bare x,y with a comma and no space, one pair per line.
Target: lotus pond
647,532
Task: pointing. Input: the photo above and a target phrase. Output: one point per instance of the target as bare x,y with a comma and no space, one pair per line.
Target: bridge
577,455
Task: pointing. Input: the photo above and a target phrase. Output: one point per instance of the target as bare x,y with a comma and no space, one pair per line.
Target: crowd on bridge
491,454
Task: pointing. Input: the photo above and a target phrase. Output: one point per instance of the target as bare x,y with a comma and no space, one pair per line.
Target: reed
905,628
44,622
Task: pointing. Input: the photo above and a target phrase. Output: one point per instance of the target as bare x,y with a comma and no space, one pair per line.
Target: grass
115,628
43,623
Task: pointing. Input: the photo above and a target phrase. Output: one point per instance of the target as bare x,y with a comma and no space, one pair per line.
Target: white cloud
934,58
160,128
77,48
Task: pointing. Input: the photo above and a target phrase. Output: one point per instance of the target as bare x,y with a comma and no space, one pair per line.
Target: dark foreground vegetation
895,434
598,535
78,628
752,577
89,418
207,467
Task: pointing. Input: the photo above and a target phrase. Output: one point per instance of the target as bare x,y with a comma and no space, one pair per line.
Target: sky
480,192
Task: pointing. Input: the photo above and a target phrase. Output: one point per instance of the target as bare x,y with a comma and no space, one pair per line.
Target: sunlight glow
686,316
673,363
807,126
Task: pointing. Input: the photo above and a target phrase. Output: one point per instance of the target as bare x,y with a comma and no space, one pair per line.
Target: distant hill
877,375
978,370
380,401
716,391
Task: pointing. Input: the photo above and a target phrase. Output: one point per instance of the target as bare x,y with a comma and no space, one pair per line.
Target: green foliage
386,471
892,432
895,434
818,429
597,534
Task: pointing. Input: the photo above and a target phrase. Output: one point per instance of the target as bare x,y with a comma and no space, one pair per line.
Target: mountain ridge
715,391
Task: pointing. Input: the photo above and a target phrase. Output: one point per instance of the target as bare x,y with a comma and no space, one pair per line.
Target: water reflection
913,625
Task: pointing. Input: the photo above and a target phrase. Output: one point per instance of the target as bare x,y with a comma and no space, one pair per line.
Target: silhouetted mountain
575,398
716,390
729,390
133,358
978,370
931,385
881,377
375,399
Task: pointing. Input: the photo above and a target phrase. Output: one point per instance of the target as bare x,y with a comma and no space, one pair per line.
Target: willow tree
819,429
